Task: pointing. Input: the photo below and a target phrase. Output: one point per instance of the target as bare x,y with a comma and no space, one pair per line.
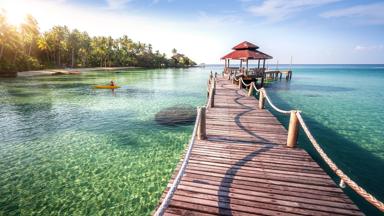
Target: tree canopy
24,47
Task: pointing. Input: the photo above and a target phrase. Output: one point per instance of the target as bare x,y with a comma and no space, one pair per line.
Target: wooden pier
277,74
243,166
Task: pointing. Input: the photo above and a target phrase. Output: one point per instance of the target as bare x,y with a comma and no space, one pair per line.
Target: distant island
24,48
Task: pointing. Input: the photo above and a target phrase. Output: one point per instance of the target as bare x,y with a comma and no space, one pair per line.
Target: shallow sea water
343,106
68,149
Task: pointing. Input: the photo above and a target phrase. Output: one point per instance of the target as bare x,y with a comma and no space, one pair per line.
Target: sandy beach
67,71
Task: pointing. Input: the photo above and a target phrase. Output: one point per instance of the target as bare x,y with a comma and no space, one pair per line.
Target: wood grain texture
245,168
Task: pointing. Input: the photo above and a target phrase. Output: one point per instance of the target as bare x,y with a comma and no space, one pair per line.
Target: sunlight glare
16,11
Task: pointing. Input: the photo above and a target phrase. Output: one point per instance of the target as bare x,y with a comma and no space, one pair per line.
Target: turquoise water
69,149
343,106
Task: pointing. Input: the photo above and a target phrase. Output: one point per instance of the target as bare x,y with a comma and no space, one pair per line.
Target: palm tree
30,32
73,42
43,45
174,51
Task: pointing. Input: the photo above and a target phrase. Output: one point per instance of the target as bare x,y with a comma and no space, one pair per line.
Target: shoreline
50,72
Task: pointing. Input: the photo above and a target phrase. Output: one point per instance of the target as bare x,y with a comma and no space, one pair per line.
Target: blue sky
311,31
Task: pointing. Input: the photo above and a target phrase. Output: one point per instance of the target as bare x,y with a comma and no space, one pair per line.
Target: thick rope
244,82
273,106
234,77
359,190
167,200
254,87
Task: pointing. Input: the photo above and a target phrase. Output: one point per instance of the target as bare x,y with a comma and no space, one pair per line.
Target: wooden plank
253,199
245,168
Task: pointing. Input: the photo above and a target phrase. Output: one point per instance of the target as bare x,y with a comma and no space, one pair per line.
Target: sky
309,31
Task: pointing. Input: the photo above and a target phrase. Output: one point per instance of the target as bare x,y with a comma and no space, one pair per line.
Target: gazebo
244,52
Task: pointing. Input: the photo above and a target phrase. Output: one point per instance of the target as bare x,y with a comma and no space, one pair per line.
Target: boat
106,87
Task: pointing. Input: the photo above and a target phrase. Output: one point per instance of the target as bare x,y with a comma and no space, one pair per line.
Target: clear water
67,148
343,106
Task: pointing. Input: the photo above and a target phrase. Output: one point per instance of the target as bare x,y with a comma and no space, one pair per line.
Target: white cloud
369,48
278,10
364,14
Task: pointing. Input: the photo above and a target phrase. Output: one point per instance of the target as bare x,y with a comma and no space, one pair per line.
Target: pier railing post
212,93
261,99
293,130
201,130
250,92
240,83
214,87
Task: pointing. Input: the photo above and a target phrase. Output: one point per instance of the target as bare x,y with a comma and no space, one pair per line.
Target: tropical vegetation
24,48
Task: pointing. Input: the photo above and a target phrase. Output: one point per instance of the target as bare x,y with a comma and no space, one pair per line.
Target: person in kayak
112,83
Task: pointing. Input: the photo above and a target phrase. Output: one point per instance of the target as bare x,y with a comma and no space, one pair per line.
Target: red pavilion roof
245,46
246,50
246,54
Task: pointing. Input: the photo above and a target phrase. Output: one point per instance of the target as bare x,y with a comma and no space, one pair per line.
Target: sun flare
16,11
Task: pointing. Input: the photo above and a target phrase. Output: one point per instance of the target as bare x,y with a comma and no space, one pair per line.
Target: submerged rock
175,115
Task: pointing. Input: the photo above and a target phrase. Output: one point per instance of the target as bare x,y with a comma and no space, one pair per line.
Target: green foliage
25,48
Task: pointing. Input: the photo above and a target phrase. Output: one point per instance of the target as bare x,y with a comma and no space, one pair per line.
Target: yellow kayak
106,87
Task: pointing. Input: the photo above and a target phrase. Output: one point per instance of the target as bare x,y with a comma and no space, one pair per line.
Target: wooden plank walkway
244,167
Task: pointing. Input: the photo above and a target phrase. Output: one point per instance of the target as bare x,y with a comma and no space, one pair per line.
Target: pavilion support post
250,91
258,64
246,68
264,65
262,81
293,130
261,99
201,130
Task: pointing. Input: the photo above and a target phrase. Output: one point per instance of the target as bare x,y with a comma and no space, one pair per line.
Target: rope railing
264,95
296,116
168,197
254,87
344,178
244,82
234,77
273,105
